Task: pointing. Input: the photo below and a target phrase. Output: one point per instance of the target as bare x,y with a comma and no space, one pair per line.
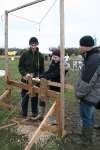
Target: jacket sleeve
90,67
82,89
21,65
88,77
52,74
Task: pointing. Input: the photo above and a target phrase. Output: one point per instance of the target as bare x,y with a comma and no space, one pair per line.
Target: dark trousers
24,103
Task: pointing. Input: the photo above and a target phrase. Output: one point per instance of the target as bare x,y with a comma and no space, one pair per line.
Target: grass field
9,138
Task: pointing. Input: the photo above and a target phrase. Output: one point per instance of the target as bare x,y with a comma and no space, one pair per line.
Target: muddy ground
72,139
73,128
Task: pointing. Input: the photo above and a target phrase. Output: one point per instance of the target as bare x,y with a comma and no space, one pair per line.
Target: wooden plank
58,116
6,126
26,121
62,70
9,107
26,86
26,5
18,84
51,83
5,94
43,86
37,133
50,128
35,89
20,120
6,43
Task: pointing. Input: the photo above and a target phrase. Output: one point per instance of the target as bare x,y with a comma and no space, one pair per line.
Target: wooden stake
9,125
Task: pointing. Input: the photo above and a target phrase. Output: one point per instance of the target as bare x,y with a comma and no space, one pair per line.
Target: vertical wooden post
7,76
62,72
44,86
6,43
58,116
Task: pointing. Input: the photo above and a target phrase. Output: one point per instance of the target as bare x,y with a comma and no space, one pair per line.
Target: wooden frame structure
58,104
44,92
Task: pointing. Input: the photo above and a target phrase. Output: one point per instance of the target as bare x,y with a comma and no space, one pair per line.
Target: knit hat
87,41
56,52
33,40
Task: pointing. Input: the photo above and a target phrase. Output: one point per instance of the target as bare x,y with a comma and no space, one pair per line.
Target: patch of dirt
72,123
28,129
72,127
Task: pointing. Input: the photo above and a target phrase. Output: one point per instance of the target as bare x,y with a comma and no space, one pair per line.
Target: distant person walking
66,63
31,64
88,86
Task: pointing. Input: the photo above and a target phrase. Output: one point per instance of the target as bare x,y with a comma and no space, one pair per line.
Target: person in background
31,64
66,64
53,74
88,86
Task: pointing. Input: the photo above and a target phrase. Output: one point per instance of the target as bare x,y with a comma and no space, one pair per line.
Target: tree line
68,51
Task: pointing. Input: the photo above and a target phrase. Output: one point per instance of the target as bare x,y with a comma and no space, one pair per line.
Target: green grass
9,138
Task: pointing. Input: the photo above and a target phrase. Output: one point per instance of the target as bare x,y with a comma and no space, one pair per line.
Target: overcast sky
81,18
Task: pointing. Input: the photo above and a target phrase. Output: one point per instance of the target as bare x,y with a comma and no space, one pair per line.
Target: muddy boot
40,116
87,136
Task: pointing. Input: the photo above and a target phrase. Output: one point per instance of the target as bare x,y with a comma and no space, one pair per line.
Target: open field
10,139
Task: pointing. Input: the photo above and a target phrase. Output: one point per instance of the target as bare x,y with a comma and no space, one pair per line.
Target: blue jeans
87,114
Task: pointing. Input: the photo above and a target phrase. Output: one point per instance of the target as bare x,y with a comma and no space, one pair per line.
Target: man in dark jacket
52,74
31,64
88,86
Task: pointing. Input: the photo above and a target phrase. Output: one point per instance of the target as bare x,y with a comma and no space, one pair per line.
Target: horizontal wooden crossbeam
35,89
8,125
9,106
51,83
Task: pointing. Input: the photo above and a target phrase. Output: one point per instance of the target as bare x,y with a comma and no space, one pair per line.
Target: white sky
81,18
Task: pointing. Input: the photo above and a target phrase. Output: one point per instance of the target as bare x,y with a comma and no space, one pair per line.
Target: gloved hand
28,76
